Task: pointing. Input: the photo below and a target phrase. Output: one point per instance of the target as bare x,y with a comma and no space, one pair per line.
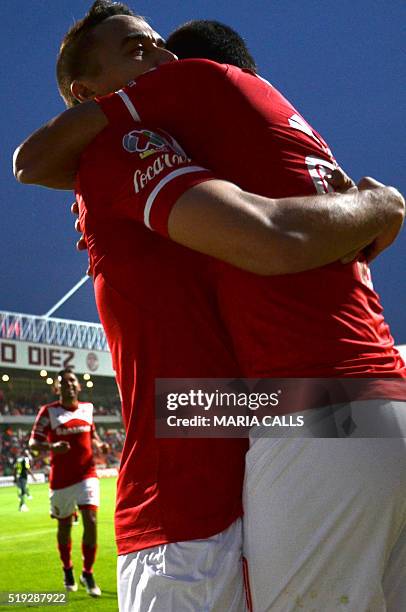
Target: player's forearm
40,446
50,156
270,237
324,229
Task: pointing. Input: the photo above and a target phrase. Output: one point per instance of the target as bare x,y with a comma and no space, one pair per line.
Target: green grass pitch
29,559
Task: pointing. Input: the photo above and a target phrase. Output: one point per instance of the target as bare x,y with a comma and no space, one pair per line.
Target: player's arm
61,447
282,236
261,235
50,156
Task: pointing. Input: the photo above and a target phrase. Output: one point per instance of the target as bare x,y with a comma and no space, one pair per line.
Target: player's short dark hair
75,58
68,370
210,40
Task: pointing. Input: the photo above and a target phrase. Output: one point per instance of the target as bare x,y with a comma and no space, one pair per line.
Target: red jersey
320,323
158,308
54,423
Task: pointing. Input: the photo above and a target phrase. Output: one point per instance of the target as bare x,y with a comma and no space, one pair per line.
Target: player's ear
81,92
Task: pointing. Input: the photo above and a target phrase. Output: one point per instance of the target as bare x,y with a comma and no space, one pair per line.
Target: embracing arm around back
50,156
288,235
270,237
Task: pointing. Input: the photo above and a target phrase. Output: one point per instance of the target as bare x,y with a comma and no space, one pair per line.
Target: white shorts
325,521
193,576
64,501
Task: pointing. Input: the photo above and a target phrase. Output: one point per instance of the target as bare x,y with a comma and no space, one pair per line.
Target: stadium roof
52,331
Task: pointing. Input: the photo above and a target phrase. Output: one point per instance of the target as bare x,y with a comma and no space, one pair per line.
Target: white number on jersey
317,169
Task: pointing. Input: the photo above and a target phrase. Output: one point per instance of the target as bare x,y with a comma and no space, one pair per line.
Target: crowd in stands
112,408
23,406
115,439
14,440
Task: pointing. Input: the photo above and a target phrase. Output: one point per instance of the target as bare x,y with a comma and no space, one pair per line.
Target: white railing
49,330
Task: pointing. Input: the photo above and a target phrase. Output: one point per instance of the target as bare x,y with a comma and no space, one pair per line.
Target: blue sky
341,64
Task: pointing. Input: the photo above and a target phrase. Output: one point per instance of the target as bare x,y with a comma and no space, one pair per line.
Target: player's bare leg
89,548
65,547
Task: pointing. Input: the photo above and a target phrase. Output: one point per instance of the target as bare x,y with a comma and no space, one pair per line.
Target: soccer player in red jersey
156,213
154,332
66,429
326,323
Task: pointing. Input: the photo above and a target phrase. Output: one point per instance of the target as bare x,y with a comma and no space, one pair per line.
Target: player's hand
81,244
396,217
393,200
340,181
61,447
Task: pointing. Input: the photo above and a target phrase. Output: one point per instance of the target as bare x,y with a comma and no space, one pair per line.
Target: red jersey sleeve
136,175
41,428
186,88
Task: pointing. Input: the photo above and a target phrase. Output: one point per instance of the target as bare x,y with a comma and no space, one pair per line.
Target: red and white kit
322,323
73,479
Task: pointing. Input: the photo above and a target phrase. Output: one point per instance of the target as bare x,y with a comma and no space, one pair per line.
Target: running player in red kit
66,429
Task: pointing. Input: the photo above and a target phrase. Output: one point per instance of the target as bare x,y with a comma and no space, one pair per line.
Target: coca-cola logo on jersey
167,160
168,154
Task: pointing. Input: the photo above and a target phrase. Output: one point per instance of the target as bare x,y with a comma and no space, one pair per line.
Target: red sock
88,556
64,553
